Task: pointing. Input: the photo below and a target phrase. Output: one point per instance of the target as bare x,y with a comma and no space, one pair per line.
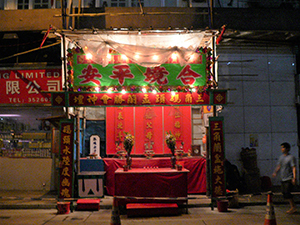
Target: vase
173,162
128,161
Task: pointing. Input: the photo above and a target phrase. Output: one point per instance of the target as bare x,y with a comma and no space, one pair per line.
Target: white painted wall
261,104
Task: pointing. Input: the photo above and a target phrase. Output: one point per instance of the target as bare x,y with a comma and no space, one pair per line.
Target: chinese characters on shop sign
127,73
131,99
29,86
217,156
66,159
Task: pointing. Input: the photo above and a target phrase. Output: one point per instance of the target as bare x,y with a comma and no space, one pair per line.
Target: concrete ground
39,208
247,215
48,200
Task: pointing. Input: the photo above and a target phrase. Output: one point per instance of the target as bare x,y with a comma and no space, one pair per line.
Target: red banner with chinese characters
148,129
217,156
66,159
129,99
178,120
122,122
149,125
29,86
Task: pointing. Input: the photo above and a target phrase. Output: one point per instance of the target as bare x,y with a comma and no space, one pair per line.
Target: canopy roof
148,48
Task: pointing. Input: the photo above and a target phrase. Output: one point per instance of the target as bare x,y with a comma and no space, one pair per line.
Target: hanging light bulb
154,91
88,56
172,93
136,56
155,57
192,57
144,90
124,57
109,90
97,89
123,91
174,56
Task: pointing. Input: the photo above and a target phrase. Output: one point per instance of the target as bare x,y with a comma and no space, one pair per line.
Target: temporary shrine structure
138,68
102,64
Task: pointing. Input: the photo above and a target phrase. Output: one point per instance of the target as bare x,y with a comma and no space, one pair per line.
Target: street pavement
251,215
39,208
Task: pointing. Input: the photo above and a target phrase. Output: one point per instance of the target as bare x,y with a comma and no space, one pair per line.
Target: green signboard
121,72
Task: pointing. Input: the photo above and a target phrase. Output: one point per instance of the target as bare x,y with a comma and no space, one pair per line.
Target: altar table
196,178
151,185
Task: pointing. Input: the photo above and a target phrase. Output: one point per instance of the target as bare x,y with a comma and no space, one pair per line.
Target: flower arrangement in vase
171,143
128,144
120,152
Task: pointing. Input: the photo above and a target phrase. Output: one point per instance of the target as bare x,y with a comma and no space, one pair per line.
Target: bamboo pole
79,12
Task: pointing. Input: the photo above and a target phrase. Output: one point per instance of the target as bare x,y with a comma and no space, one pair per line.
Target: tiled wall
261,99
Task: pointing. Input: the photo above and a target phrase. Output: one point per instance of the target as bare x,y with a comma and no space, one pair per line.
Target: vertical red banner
217,156
178,120
66,159
148,129
118,121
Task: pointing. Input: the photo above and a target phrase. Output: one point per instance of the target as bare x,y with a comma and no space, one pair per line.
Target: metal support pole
65,72
78,139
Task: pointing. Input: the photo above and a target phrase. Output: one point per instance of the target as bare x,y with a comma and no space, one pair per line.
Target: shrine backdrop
149,126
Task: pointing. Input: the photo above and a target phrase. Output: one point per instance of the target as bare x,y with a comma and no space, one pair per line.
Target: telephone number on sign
38,100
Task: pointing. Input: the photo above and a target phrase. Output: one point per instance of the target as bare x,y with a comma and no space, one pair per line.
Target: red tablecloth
196,166
156,184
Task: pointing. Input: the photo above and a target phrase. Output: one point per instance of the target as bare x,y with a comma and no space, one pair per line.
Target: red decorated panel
119,120
66,159
178,120
148,129
217,156
148,125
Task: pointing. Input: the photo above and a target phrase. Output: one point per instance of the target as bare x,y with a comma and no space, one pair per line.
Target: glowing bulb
123,91
97,89
124,57
154,91
144,90
192,57
172,93
89,56
155,57
108,56
174,56
193,89
109,90
136,56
